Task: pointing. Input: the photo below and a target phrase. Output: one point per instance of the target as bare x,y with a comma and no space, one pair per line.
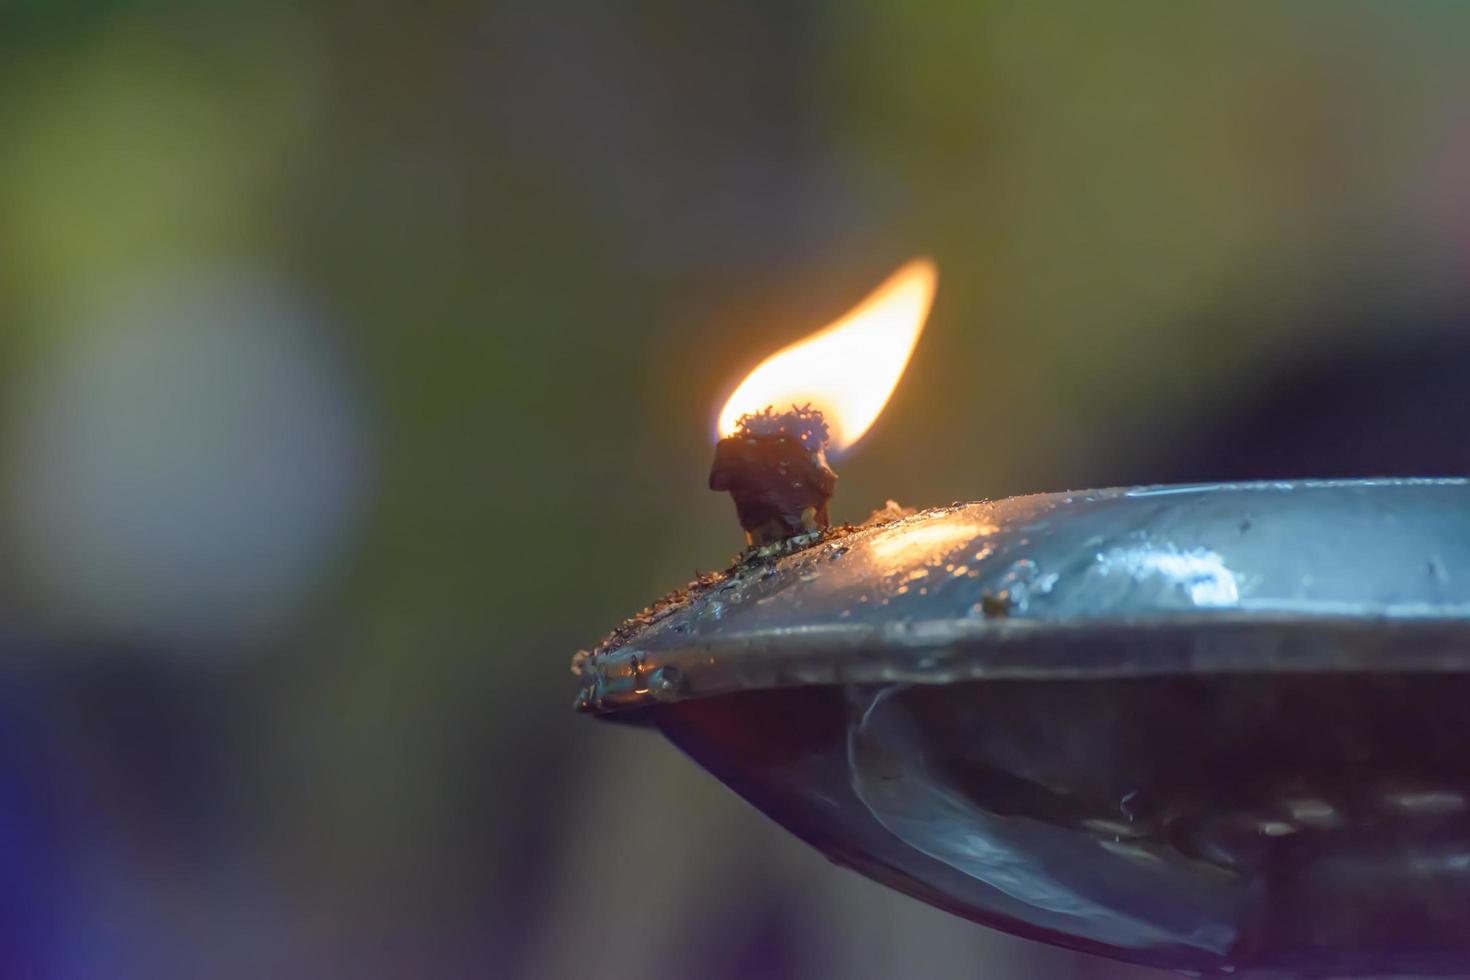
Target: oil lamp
1214,728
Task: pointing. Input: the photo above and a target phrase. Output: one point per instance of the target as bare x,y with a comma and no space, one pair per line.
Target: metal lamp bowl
1221,728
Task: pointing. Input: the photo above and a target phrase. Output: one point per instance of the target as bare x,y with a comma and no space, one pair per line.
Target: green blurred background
359,365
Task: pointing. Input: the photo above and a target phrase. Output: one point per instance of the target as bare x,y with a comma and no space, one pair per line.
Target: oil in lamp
1213,728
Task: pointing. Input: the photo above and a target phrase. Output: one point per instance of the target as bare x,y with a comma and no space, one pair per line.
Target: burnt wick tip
775,468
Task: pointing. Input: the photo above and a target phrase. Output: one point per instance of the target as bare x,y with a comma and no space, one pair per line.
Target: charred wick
775,468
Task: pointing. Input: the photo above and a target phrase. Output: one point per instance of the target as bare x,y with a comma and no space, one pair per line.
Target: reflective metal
1215,728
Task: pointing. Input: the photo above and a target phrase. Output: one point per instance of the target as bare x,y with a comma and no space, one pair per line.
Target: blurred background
359,362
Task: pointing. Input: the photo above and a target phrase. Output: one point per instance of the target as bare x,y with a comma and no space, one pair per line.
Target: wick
775,468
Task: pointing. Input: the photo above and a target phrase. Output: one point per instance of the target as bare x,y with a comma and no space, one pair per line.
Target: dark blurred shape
1387,402
743,935
33,819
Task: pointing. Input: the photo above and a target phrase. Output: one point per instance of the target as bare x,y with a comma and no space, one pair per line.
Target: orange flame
848,369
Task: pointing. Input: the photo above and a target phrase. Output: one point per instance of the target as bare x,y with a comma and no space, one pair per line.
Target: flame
848,369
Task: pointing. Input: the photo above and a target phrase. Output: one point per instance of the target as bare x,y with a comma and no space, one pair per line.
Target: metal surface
1287,576
1217,729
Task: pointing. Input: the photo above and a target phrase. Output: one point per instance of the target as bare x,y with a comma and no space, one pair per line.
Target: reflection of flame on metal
846,370
927,541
